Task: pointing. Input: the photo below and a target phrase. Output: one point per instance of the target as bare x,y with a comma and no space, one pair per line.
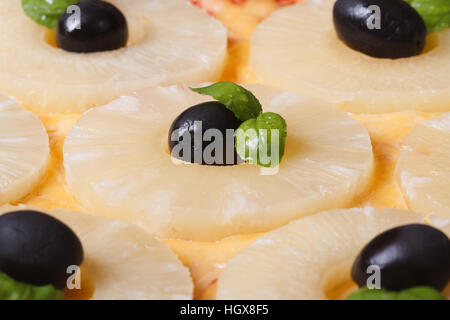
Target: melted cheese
204,259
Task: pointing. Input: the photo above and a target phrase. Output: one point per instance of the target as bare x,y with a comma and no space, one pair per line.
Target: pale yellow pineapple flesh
423,168
117,164
121,261
297,48
24,151
171,41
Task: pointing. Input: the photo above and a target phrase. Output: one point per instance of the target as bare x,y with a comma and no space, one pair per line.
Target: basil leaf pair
261,138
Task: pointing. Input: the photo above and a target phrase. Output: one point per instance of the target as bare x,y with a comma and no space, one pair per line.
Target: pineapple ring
117,164
171,41
296,48
121,261
24,151
309,258
422,168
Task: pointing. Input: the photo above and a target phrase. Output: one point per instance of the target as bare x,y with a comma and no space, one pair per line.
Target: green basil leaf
11,289
420,293
435,13
46,13
372,294
262,140
415,293
242,102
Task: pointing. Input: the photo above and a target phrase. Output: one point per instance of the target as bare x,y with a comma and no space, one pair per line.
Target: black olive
102,27
193,123
37,249
408,256
401,32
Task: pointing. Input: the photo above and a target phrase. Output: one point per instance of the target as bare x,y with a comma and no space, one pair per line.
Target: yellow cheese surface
206,259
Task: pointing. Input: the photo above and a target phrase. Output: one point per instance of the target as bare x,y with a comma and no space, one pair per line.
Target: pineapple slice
309,258
297,48
121,261
24,151
117,164
423,167
170,41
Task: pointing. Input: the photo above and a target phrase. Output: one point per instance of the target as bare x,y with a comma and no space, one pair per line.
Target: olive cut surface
102,27
380,28
37,249
407,256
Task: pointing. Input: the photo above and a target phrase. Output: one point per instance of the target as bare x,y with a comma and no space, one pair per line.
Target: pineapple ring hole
165,146
49,38
86,290
446,291
431,43
337,282
138,30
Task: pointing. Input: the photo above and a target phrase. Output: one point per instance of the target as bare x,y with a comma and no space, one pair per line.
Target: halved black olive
194,122
407,256
37,249
101,27
380,28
